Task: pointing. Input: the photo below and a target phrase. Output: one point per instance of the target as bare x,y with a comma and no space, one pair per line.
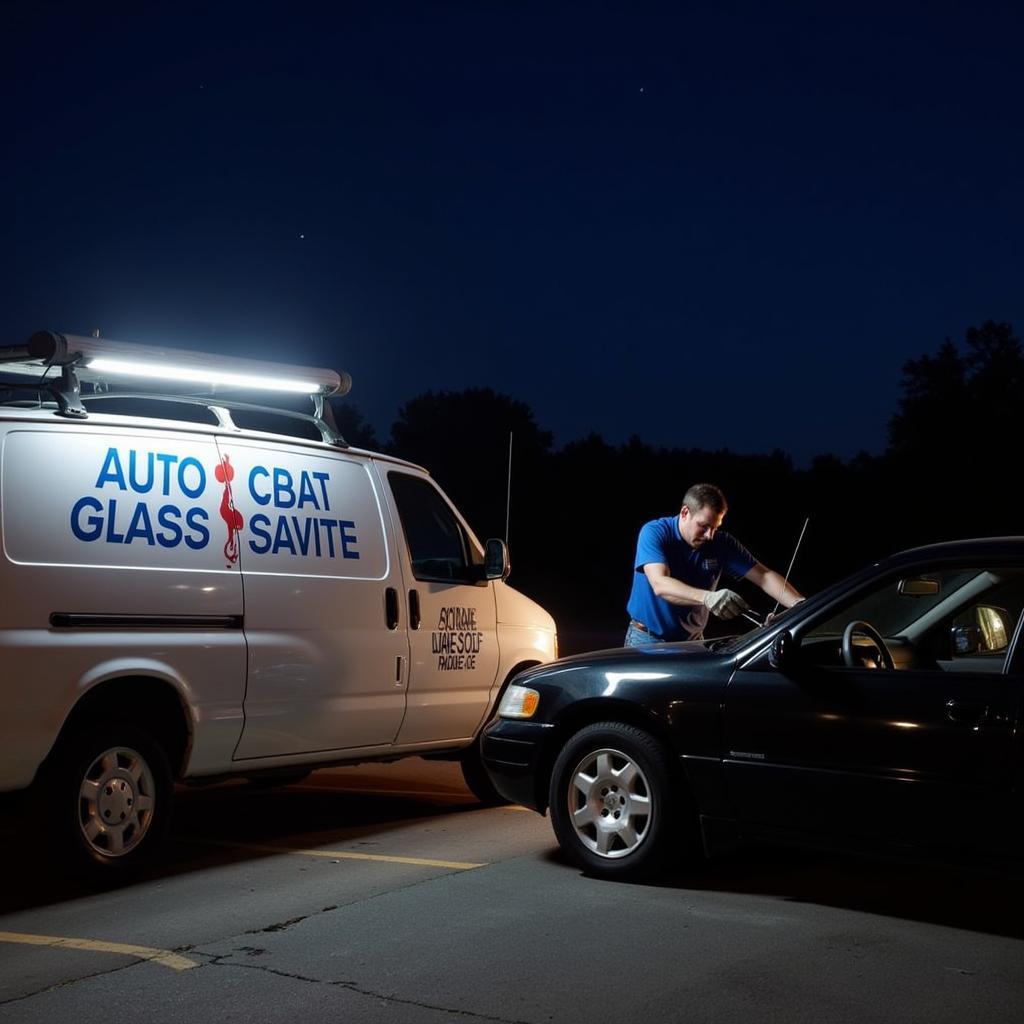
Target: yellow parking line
456,865
158,956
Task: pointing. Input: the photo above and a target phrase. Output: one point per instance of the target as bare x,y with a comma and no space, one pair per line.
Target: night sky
719,225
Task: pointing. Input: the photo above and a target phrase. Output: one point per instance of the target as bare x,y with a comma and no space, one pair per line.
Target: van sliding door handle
391,607
414,609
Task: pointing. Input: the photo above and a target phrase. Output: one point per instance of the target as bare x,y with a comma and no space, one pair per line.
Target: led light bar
94,358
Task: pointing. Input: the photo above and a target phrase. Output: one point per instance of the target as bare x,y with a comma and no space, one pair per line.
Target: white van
188,591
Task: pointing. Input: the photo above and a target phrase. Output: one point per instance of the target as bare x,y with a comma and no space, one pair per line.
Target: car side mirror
780,654
496,561
981,630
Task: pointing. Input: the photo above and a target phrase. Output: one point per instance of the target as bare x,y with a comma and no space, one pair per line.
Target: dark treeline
947,472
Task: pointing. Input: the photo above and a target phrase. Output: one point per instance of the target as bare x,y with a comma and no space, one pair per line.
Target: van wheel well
140,701
512,673
473,771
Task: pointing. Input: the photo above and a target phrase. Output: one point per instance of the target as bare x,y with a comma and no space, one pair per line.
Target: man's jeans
635,637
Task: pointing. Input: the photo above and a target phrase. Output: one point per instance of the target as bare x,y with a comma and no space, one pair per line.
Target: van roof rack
220,383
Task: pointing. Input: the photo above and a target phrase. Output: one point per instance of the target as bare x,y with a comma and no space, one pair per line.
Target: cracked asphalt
385,893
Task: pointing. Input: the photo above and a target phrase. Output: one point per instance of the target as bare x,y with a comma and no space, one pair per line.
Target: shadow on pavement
228,824
982,900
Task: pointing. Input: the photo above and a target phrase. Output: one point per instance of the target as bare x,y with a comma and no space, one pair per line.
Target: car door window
438,546
950,619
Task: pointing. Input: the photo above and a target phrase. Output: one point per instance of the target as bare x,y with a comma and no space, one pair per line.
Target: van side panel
327,671
113,566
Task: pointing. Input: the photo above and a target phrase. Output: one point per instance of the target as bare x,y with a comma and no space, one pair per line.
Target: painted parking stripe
164,957
455,865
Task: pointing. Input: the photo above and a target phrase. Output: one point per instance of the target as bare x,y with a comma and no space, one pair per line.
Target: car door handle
965,712
414,609
391,607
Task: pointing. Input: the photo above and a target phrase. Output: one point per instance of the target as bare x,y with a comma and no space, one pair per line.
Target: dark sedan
882,714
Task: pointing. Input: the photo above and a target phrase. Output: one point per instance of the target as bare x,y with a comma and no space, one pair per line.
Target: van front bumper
513,754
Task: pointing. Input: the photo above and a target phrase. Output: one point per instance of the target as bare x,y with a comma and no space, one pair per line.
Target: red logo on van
225,473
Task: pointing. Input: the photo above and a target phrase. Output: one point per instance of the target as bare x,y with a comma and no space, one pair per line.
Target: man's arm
668,588
774,585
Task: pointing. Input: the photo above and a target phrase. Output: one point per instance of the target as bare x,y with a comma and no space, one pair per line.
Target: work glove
725,604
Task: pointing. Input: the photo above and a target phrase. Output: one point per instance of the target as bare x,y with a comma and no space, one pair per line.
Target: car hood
646,655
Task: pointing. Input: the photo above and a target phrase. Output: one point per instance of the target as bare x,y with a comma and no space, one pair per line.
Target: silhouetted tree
954,437
462,437
963,404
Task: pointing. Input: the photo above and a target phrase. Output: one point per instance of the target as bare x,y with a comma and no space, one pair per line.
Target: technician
679,563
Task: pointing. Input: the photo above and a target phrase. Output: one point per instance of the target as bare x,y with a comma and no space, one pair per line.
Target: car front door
923,752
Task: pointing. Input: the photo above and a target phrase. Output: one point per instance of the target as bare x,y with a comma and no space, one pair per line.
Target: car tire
108,796
611,801
476,778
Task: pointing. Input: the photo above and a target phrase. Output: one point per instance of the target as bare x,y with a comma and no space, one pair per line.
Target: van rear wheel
108,798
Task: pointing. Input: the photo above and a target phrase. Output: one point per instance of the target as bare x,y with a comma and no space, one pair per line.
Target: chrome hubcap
116,802
610,803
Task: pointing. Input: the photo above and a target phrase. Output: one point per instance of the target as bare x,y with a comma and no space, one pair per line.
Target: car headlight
519,702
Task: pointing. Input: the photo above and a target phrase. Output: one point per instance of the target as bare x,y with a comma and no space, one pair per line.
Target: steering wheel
858,626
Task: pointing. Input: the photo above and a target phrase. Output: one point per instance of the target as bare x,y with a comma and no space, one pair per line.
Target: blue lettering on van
168,517
140,526
284,495
196,518
347,538
258,496
93,524
92,520
277,487
303,536
283,537
257,525
188,474
133,472
189,463
121,521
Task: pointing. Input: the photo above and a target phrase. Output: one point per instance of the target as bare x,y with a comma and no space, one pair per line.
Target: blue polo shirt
702,567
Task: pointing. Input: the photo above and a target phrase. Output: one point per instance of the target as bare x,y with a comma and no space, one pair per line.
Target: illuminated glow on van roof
95,358
169,371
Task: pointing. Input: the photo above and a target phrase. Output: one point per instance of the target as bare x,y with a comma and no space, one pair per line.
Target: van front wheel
110,794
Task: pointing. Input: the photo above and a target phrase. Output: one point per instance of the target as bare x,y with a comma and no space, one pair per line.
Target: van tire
107,799
476,777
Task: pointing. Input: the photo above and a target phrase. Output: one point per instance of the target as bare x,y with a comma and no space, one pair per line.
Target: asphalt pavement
386,893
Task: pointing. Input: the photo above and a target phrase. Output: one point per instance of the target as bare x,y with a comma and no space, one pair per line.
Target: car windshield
891,611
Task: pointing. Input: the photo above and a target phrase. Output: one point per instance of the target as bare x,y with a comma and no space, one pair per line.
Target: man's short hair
705,496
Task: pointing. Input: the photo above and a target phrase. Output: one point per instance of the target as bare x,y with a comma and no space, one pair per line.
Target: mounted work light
100,357
100,361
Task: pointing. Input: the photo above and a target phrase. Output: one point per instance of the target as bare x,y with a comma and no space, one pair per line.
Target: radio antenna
508,489
791,561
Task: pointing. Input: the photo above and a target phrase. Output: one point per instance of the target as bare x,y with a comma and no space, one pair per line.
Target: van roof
221,425
76,377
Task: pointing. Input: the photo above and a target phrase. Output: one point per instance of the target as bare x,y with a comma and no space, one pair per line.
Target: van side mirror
780,654
496,563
